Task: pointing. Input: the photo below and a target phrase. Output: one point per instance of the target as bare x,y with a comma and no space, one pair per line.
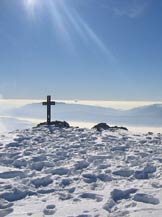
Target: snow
67,172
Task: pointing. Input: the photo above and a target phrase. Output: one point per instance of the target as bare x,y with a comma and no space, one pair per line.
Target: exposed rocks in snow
60,124
101,126
104,126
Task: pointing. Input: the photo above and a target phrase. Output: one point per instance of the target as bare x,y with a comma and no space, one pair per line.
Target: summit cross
48,104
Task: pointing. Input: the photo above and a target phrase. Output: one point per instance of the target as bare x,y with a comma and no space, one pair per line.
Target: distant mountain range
150,115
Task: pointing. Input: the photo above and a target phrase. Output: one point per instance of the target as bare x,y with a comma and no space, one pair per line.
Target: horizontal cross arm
48,103
52,103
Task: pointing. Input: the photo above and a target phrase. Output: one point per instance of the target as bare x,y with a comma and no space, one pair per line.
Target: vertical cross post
48,104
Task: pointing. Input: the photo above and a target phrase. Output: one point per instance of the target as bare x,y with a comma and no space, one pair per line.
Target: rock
145,198
104,126
60,124
118,128
101,126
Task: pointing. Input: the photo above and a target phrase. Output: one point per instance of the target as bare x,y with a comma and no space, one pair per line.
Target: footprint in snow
146,198
92,196
12,174
5,204
50,209
89,178
6,212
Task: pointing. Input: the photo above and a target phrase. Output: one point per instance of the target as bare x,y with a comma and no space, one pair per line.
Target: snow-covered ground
77,172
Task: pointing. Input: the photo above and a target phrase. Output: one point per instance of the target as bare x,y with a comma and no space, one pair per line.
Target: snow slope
74,172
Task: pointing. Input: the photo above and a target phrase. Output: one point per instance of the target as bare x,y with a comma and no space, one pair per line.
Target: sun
31,3
30,6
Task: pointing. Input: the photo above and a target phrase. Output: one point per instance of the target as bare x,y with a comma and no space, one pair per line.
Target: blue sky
81,49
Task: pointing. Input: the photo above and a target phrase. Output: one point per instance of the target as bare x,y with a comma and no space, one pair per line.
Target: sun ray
67,21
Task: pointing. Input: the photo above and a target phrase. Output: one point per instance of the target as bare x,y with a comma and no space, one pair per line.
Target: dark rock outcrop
60,124
104,126
101,126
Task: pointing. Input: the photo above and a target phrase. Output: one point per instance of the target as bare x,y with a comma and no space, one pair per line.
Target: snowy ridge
79,172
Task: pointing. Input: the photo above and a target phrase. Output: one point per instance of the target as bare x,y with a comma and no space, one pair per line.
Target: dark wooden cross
48,104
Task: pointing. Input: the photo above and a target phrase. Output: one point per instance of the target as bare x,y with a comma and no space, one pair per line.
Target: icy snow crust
80,173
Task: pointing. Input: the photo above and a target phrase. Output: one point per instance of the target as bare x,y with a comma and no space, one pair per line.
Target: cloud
128,8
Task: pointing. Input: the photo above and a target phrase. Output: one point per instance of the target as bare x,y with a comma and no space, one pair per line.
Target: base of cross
60,124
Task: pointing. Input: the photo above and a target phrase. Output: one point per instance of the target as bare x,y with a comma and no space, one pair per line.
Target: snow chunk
109,205
145,198
45,181
5,204
49,210
37,166
5,212
81,165
14,195
92,196
12,174
104,177
89,178
117,194
123,172
60,171
150,169
20,163
140,174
